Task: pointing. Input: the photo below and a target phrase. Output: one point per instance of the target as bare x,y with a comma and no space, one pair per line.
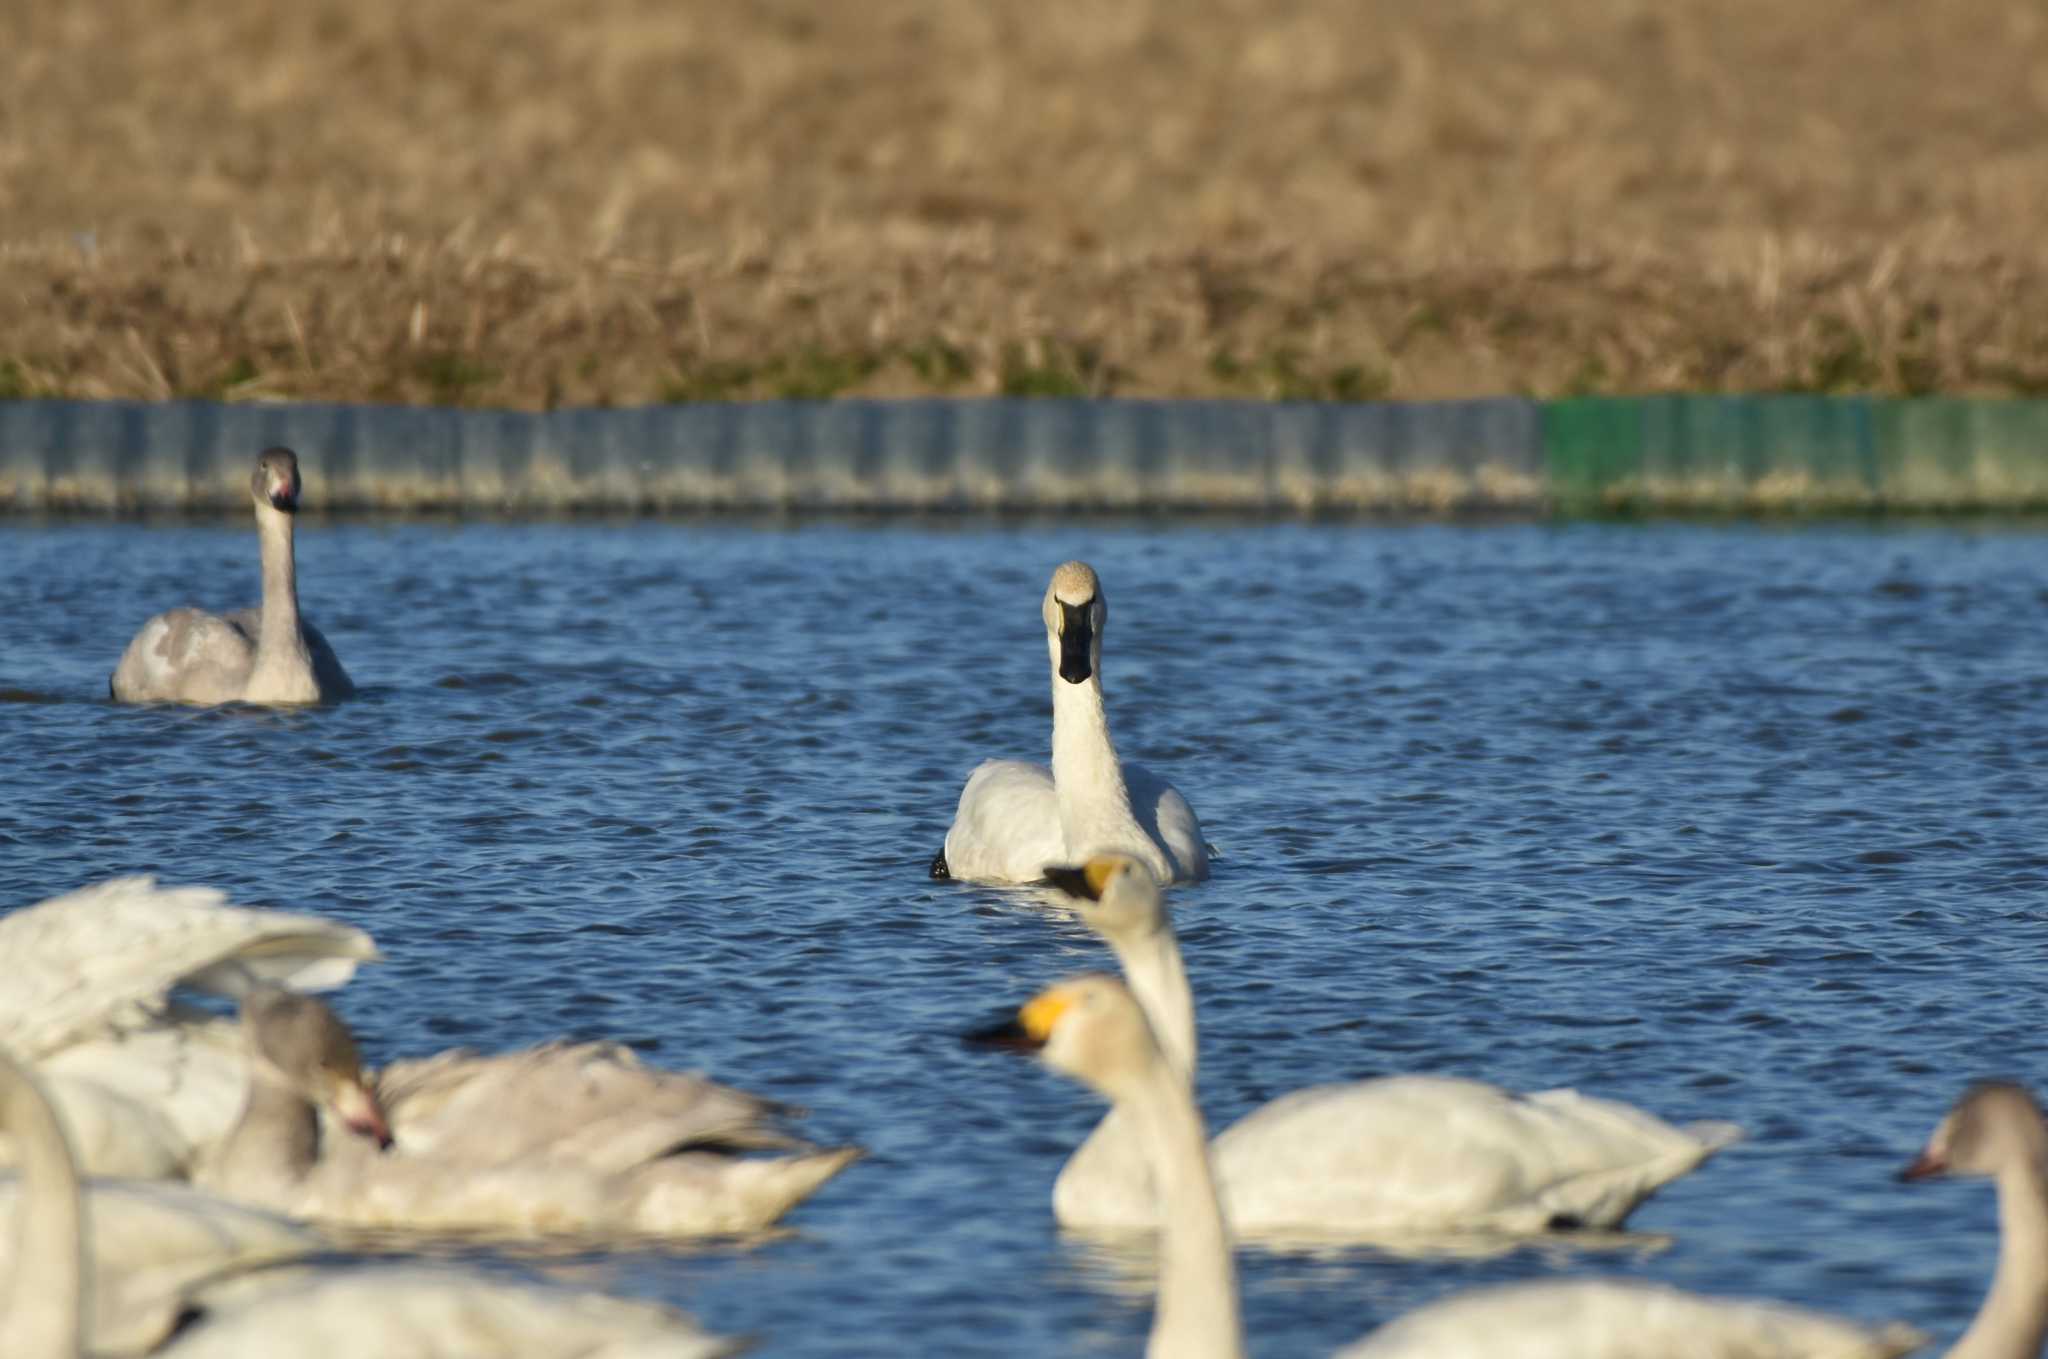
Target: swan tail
1714,1134
700,1194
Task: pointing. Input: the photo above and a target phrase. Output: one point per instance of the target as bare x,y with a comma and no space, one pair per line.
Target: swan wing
186,655
147,1101
1422,1152
327,668
105,955
1007,828
1170,821
594,1104
1615,1319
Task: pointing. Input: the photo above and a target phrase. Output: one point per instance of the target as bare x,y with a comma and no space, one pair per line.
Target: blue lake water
1731,821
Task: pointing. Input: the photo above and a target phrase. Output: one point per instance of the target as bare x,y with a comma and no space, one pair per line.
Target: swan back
107,955
1619,1319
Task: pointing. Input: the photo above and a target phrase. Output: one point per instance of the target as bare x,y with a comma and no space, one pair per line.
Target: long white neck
2013,1322
1196,1314
43,1306
1095,807
283,672
1159,979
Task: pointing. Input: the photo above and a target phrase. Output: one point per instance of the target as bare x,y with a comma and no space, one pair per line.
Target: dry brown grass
533,202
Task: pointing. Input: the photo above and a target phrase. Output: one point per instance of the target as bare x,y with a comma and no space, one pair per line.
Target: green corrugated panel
1590,445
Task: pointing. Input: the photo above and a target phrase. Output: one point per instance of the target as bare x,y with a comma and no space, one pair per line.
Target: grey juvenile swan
651,1180
267,654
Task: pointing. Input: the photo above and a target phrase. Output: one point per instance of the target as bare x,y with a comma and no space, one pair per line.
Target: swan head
1996,1125
1115,893
298,1042
275,482
1074,614
1088,1027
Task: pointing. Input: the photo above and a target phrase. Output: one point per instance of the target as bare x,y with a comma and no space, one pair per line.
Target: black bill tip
1073,881
1006,1036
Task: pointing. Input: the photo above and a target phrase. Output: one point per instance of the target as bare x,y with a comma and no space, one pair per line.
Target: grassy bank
536,204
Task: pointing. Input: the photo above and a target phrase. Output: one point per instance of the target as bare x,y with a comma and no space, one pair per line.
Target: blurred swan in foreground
1393,1154
1015,817
85,997
1092,1028
149,1087
149,1243
53,1290
1995,1130
637,1182
267,654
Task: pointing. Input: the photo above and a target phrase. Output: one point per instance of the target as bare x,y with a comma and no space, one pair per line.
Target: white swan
85,996
57,1275
266,654
1996,1129
1092,1028
1014,818
302,1057
1394,1154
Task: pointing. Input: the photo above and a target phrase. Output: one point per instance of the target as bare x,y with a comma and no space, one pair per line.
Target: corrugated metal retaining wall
1790,452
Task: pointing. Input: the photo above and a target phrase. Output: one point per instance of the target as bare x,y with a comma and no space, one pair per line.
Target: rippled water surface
1730,821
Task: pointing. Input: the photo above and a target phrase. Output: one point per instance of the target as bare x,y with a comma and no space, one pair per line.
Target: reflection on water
1729,822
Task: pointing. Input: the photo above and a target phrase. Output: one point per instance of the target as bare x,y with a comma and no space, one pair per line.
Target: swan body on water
63,1295
1094,1029
1015,817
1995,1130
1393,1154
302,1058
268,654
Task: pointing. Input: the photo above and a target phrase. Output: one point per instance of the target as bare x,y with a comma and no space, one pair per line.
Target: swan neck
1196,1315
280,574
43,1306
1086,774
283,669
1158,977
2013,1322
277,1138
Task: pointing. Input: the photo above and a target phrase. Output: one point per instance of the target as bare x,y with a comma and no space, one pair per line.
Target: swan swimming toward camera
267,654
1016,817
